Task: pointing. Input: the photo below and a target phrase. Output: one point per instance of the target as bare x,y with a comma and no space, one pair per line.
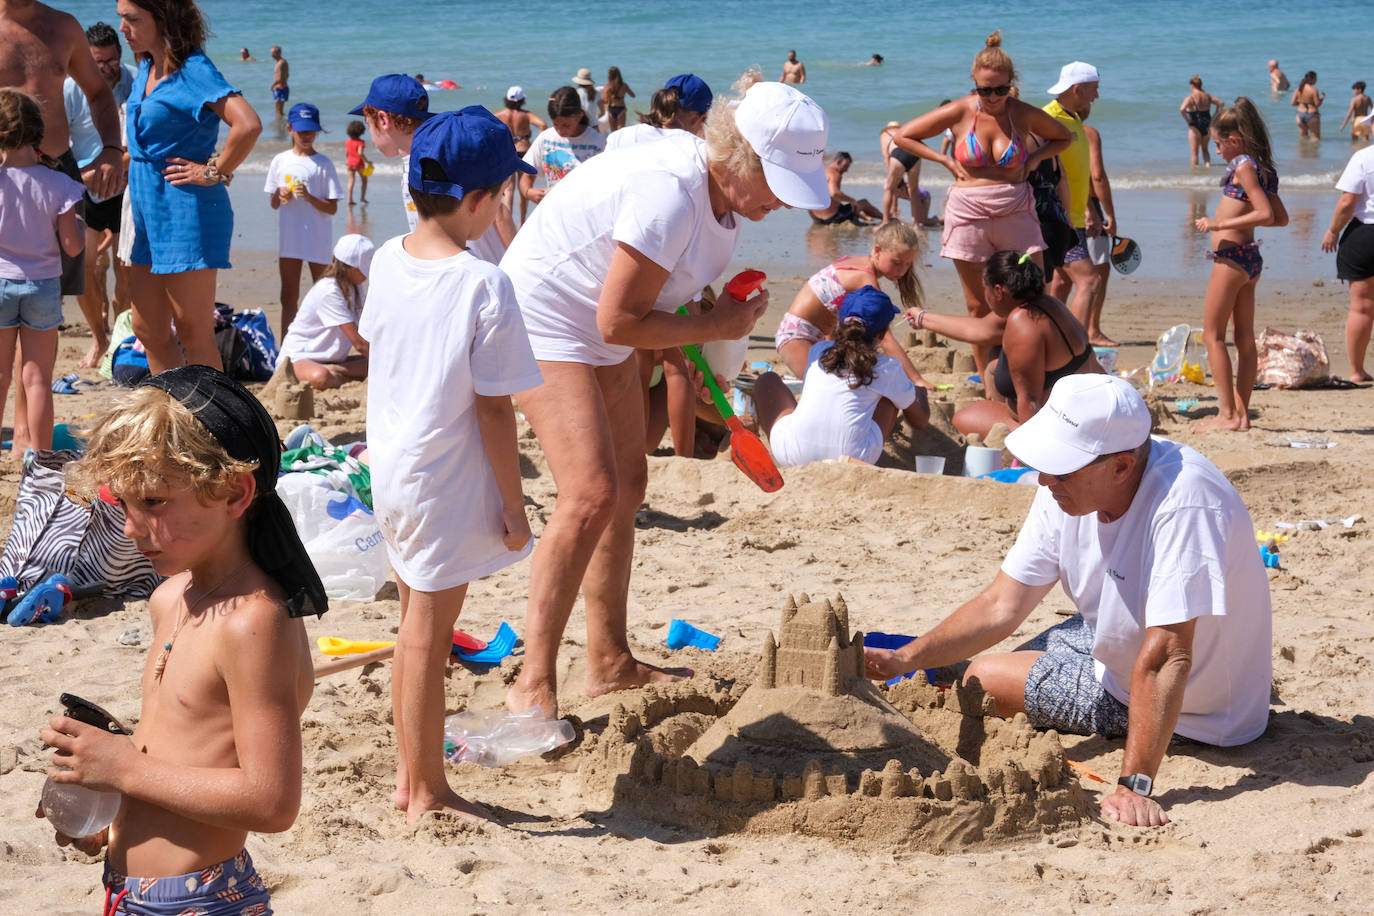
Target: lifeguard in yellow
1074,95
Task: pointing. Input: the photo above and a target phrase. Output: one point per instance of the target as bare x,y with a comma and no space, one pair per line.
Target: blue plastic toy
682,634
895,641
1270,557
43,602
9,594
498,648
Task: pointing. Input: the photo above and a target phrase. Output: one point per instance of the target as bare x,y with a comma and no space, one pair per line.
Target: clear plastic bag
340,534
1179,353
496,737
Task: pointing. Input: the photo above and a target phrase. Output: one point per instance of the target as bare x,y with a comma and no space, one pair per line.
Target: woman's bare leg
152,319
192,299
1358,325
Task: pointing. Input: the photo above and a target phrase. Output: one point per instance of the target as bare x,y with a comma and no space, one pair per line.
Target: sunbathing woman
1037,332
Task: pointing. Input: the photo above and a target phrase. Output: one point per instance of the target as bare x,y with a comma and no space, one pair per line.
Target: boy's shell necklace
161,662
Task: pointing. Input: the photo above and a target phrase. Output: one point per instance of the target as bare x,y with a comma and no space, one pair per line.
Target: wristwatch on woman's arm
213,174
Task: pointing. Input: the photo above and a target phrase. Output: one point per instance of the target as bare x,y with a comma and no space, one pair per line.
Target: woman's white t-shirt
833,420
1358,178
316,331
653,198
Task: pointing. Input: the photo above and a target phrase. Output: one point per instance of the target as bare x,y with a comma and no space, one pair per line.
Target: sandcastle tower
816,650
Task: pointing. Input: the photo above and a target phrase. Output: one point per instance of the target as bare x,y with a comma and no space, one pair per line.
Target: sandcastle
812,746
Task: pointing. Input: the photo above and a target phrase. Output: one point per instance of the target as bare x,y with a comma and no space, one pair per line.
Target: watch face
1138,783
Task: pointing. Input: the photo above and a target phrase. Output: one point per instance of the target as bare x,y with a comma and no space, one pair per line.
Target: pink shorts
981,221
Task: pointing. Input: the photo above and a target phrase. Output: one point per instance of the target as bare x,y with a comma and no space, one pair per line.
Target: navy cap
871,306
692,92
304,116
472,148
398,94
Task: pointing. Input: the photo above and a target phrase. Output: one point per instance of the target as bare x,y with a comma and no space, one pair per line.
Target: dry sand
1285,824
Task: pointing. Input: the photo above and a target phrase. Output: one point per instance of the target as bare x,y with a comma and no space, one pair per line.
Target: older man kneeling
1157,551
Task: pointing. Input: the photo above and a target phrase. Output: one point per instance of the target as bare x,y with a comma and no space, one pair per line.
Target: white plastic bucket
979,460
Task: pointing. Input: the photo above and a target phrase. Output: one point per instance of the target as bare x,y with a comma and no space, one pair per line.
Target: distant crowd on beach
587,315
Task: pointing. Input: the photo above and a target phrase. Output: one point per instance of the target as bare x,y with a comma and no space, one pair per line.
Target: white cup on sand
979,460
930,464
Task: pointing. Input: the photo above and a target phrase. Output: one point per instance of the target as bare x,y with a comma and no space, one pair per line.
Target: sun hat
515,94
304,116
1072,74
788,132
471,148
398,94
692,92
871,306
1086,416
356,251
584,77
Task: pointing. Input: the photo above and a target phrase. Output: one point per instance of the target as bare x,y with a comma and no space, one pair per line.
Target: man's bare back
39,65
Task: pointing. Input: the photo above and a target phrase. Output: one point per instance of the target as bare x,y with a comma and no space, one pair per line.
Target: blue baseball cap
304,116
398,94
871,306
692,92
471,147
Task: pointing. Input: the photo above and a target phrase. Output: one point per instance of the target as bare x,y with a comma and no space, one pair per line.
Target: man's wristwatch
1138,783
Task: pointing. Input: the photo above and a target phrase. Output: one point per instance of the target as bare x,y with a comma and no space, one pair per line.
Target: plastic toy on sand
728,355
682,634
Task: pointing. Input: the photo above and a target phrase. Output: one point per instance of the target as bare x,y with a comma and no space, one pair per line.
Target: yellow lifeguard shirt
1075,162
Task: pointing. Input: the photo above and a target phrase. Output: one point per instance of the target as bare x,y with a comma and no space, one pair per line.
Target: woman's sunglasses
986,91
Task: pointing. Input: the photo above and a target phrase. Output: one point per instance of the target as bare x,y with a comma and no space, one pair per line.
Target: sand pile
814,747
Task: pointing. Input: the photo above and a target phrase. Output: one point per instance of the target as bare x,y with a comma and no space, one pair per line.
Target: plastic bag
496,737
340,534
1179,353
1296,360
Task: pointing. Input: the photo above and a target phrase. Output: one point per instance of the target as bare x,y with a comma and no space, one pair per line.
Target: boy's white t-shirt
1358,178
653,198
833,420
555,156
32,197
440,333
1184,550
316,332
487,247
306,233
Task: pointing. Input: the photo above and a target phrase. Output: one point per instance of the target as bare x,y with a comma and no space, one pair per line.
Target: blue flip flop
497,648
66,384
43,602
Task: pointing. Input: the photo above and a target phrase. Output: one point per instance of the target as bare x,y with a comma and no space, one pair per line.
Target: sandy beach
1283,825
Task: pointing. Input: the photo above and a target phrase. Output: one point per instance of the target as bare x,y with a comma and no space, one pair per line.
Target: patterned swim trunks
1062,689
231,888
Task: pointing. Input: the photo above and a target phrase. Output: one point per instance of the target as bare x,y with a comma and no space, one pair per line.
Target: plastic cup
979,460
1106,356
930,464
726,357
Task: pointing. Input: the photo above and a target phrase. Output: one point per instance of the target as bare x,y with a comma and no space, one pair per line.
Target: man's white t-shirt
833,420
653,198
85,139
555,156
635,134
1358,178
1184,550
306,233
316,332
440,333
487,247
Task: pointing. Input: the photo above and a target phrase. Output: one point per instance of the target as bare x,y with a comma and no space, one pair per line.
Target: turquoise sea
1146,52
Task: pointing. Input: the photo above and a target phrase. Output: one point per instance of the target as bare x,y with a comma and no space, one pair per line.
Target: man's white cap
515,94
1087,416
355,251
788,131
1072,74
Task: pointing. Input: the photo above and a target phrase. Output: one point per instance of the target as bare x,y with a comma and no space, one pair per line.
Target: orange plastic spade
746,449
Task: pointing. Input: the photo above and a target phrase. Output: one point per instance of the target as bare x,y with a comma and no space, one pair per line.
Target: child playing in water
304,188
813,315
447,349
193,458
326,329
1250,198
557,152
851,394
355,158
37,222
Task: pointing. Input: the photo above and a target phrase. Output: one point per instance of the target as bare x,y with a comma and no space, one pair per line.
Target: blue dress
184,228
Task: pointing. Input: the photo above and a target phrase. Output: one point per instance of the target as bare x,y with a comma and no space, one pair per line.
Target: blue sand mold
895,641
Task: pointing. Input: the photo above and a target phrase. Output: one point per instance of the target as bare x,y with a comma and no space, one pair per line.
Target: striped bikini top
971,152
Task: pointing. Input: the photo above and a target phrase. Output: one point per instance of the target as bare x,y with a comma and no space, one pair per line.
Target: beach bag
340,534
122,330
233,349
1055,225
129,366
55,533
260,347
1296,360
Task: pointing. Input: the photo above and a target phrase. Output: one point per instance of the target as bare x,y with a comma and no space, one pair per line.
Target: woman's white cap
515,94
355,251
788,131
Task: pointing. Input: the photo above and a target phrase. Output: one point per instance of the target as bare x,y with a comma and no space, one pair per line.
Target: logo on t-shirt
1115,575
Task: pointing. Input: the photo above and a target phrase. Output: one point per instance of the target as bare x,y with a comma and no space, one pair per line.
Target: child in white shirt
304,188
326,327
447,349
851,393
570,141
37,218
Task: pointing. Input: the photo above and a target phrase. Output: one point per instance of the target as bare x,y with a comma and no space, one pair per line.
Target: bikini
1201,121
826,284
1245,256
971,152
1001,376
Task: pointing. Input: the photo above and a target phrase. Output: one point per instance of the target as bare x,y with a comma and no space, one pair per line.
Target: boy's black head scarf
242,425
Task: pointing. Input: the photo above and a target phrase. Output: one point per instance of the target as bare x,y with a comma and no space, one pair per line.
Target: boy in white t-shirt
447,349
304,188
326,327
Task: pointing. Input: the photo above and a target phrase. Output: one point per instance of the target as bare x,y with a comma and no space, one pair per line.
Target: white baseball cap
788,131
1072,74
515,94
1087,416
355,251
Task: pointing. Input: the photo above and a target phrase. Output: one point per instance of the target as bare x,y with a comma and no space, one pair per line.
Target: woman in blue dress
178,186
